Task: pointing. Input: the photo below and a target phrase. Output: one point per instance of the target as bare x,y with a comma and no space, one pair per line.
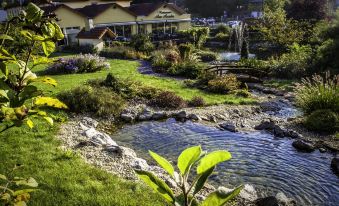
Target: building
256,7
119,16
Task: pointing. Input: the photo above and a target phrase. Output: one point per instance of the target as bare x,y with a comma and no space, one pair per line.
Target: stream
270,164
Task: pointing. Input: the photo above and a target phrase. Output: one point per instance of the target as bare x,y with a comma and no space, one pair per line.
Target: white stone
248,193
139,164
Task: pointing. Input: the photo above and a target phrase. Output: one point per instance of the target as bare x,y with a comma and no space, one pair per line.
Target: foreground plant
20,99
190,158
16,190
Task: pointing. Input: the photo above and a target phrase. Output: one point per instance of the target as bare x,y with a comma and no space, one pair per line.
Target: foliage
185,51
311,10
222,37
97,100
20,100
242,93
293,64
16,190
326,54
223,29
189,69
190,158
164,59
168,100
80,49
122,52
197,35
224,84
323,121
208,56
256,63
277,29
318,93
142,43
86,63
197,102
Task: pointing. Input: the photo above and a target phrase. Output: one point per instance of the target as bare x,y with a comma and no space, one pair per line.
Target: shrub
197,102
168,100
164,59
222,37
292,64
122,52
223,85
97,100
189,69
223,29
242,93
207,56
322,121
79,64
318,93
185,51
142,43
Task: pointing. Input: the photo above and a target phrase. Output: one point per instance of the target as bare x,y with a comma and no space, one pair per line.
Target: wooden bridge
244,74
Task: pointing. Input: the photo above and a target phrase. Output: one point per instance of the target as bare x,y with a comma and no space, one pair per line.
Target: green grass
63,179
281,84
128,69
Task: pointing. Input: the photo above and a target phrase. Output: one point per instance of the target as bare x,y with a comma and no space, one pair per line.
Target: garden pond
270,164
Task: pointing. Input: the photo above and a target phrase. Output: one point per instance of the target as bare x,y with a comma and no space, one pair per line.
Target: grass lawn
63,179
128,69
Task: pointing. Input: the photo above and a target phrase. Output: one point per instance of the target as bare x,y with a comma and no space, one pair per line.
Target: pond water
232,56
269,163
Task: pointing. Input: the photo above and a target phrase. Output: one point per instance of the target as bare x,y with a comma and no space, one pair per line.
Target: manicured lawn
128,69
65,179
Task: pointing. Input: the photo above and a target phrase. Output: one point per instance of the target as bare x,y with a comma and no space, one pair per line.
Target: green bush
318,93
164,59
207,56
185,51
97,100
189,69
292,64
223,29
322,121
197,102
222,37
242,93
122,52
223,85
142,43
168,100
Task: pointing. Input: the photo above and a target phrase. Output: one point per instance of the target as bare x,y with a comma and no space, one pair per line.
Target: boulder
139,164
265,125
145,116
229,127
278,131
181,116
248,193
303,146
293,134
194,117
267,201
322,150
284,200
99,138
159,116
89,122
127,117
335,164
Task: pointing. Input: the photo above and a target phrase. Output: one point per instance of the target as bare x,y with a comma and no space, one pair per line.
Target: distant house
95,37
119,16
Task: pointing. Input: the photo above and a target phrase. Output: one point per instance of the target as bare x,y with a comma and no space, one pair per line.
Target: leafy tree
197,36
204,163
20,99
312,10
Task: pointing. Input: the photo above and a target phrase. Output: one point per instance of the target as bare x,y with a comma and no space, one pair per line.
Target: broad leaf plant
190,158
20,99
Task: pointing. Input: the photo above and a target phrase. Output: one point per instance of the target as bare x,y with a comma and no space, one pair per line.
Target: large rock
181,116
248,193
159,116
335,164
229,127
99,138
89,122
127,117
265,125
194,117
267,201
284,200
303,146
140,164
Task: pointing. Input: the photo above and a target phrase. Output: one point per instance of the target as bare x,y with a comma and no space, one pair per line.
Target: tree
20,99
311,10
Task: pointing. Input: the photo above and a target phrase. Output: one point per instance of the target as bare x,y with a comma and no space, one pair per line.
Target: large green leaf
166,165
58,32
6,37
27,34
4,69
50,102
34,13
212,159
202,180
48,29
48,47
218,198
158,185
187,158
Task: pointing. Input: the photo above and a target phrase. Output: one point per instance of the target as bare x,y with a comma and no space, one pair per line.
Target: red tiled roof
96,33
